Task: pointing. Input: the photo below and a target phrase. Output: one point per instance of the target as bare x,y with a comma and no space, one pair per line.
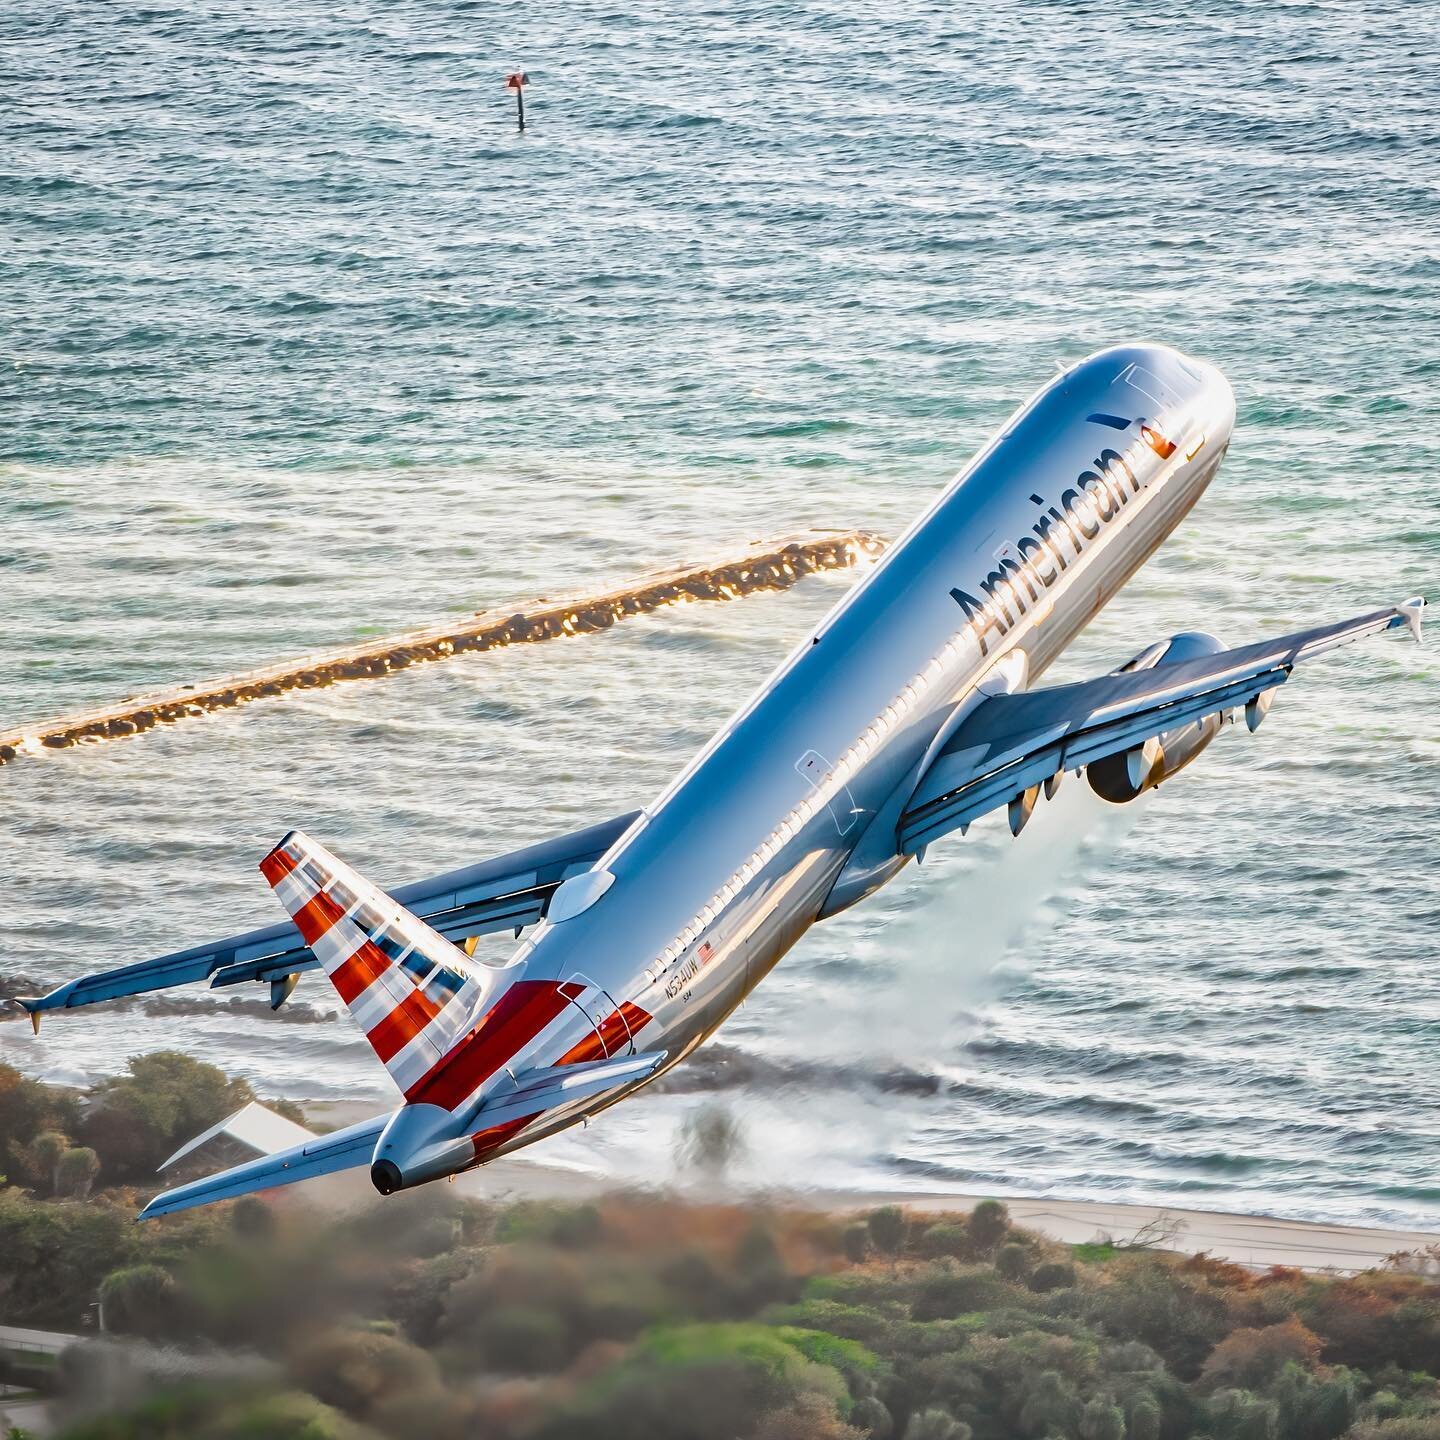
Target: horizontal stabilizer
536,1091
340,1150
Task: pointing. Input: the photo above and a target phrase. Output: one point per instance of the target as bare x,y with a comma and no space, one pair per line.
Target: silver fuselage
789,813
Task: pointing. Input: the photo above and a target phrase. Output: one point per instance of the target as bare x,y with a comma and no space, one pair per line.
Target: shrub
709,1141
989,1223
1314,1407
1419,1427
1050,1404
1249,1359
935,1424
809,1418
872,1419
887,1229
940,1240
849,1358
357,1370
942,1297
1052,1275
76,1171
744,1372
1013,1261
522,1339
252,1219
856,1242
570,1226
1146,1299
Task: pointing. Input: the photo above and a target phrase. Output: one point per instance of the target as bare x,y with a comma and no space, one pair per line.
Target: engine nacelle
1119,778
420,1143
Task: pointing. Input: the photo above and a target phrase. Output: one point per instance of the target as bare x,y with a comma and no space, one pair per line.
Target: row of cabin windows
789,827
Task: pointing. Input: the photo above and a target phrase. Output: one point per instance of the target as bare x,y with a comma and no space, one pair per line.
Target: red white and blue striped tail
413,993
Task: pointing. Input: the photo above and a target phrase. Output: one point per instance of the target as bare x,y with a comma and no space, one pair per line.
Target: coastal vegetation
643,1314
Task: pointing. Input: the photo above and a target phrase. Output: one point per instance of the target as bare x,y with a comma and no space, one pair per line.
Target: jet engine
420,1143
1119,778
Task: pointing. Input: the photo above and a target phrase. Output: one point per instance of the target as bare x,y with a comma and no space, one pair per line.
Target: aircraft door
612,1030
816,768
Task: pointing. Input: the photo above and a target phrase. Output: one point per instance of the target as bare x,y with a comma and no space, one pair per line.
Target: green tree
143,1300
27,1107
139,1119
1145,1417
42,1160
53,1255
1102,1419
1314,1407
856,1241
1241,1415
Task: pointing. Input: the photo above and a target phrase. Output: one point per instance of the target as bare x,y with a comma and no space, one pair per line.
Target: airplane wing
325,1154
1011,743
504,893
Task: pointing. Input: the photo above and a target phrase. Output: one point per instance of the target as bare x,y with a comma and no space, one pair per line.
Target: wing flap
1010,742
342,1150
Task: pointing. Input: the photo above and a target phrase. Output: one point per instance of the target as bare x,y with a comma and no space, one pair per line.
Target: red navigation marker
517,81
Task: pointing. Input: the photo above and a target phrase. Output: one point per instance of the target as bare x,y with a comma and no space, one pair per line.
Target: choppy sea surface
300,340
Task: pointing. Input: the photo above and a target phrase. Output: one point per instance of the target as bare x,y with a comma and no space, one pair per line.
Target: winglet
31,1007
1412,610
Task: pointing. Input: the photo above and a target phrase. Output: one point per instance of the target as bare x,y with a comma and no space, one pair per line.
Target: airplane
907,714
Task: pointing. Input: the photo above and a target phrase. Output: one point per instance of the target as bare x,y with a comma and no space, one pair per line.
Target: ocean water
303,341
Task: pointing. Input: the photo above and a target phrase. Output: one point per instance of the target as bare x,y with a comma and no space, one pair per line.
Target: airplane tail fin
412,992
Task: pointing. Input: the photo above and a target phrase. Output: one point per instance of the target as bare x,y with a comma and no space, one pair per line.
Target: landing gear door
612,1031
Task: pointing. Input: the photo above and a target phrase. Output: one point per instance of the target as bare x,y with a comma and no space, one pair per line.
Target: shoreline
1256,1242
